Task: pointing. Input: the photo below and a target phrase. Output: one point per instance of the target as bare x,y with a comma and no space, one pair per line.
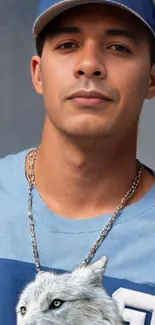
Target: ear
98,268
151,90
96,271
36,74
91,274
40,274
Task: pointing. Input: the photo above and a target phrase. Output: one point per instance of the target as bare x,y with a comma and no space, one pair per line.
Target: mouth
89,97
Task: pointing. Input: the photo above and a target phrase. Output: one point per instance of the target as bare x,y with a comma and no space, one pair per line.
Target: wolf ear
98,268
39,274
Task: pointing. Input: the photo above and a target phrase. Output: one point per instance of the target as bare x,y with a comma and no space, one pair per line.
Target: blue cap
49,9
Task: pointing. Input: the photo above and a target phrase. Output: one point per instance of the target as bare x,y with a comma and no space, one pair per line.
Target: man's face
94,72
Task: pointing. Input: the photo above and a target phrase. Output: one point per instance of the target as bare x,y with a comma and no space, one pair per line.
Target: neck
78,180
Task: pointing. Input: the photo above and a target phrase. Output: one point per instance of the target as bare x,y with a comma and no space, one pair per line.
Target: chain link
30,162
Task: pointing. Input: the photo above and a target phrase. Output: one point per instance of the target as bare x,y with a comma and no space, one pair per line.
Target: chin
86,133
93,127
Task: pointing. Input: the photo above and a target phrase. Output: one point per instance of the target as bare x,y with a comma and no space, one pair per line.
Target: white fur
85,300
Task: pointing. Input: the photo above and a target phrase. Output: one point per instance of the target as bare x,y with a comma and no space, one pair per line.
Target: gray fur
85,300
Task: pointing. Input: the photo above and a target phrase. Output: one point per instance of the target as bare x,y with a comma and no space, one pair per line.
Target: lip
90,95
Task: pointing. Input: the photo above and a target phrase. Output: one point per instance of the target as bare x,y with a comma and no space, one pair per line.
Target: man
94,67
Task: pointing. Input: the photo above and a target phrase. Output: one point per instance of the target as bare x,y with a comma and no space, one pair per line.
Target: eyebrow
58,30
122,32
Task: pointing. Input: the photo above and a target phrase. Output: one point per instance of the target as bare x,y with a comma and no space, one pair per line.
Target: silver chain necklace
30,160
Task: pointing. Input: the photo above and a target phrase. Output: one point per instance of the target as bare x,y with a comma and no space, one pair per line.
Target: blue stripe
14,275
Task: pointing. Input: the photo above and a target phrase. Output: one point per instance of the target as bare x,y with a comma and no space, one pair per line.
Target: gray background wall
21,110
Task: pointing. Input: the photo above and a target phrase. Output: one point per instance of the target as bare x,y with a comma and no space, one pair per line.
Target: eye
119,48
56,304
23,310
67,46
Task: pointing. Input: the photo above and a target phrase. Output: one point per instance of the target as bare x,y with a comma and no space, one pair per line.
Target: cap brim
53,11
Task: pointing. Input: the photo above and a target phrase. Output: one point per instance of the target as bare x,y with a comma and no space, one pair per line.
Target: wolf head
76,298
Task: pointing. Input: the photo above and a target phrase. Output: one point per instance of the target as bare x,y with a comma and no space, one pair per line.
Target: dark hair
152,48
39,42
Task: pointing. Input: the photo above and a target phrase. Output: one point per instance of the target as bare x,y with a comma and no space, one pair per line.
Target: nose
90,63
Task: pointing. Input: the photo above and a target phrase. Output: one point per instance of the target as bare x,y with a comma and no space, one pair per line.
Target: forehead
100,14
70,284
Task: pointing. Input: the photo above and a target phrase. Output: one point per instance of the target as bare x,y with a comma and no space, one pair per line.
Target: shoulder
12,169
11,162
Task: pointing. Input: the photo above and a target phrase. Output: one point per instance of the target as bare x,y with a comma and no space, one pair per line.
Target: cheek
56,75
131,79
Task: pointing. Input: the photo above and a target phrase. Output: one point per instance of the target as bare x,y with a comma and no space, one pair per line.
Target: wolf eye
56,304
23,310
